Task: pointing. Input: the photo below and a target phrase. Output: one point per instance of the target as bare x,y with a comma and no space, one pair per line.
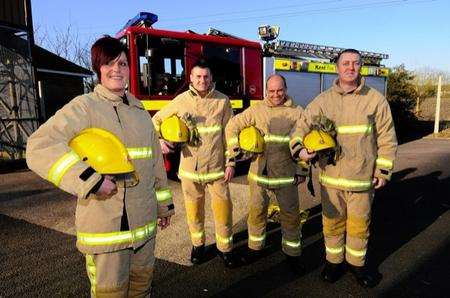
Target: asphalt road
409,246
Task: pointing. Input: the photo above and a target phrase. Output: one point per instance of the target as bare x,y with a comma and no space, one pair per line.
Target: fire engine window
161,65
225,62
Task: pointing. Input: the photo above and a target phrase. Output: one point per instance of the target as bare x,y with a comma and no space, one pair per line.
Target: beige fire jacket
205,162
274,167
365,132
98,221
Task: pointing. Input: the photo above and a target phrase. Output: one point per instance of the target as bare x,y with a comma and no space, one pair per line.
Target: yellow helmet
251,140
173,129
102,150
317,140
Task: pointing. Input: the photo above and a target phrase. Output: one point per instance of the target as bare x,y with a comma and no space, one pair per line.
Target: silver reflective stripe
293,244
140,152
354,252
225,240
354,129
384,163
209,129
201,177
271,138
333,250
271,181
96,239
197,235
61,166
164,194
256,238
347,183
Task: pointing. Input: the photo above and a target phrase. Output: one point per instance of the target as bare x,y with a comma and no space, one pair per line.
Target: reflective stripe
333,250
341,182
354,129
295,140
197,234
92,273
293,244
201,177
355,253
163,194
94,239
154,105
271,181
384,163
157,127
276,138
224,239
236,103
60,167
140,152
257,238
209,129
233,141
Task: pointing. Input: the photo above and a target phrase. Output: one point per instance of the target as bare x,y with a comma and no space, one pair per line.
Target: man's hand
164,222
108,187
307,156
299,179
379,182
229,173
166,147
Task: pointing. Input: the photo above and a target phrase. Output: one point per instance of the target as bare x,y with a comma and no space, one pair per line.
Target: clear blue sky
413,32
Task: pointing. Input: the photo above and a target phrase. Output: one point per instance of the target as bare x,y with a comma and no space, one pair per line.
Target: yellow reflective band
333,250
209,129
237,103
96,239
295,140
257,238
276,138
293,244
224,239
92,272
354,252
254,102
60,167
341,182
157,127
154,105
201,177
232,141
271,181
163,194
140,152
354,129
197,234
384,163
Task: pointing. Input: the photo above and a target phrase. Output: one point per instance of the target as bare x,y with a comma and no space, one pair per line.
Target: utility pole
438,106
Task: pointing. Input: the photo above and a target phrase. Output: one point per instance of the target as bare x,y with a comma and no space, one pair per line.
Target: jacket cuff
164,199
303,168
383,173
88,185
295,146
383,168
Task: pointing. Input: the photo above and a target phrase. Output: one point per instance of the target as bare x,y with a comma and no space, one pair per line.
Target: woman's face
115,74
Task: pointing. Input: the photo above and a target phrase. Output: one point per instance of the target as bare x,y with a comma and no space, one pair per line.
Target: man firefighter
205,111
266,128
367,143
102,148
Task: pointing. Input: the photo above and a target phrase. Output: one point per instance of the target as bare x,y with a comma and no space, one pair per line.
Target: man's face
348,68
201,79
276,92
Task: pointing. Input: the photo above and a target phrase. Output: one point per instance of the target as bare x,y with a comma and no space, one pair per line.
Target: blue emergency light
143,18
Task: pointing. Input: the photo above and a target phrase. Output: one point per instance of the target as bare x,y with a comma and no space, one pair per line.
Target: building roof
46,61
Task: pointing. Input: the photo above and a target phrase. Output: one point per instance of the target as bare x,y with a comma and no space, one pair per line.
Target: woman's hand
166,147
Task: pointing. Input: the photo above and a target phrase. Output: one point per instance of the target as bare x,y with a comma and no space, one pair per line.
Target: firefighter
115,221
205,111
367,142
272,172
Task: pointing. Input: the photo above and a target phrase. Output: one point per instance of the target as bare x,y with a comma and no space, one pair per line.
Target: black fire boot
228,258
332,272
197,254
295,264
250,256
364,277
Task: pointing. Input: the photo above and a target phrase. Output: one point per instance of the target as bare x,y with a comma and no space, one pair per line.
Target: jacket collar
104,93
288,103
194,91
358,89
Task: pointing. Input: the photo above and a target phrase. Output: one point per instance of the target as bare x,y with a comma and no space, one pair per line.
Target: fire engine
161,61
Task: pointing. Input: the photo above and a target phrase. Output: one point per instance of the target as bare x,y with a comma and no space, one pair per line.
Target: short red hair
104,50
